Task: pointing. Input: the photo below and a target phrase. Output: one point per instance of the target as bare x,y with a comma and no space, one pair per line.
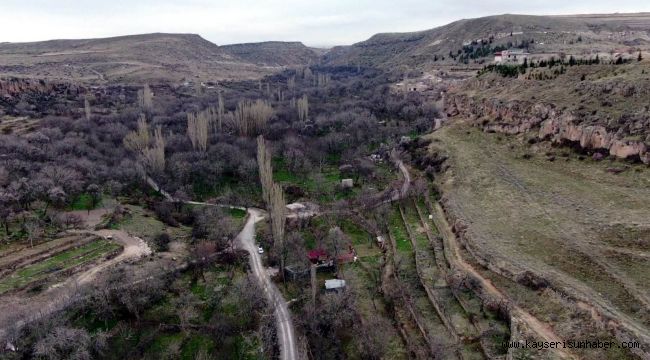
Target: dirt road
405,185
16,310
246,240
452,253
286,334
134,248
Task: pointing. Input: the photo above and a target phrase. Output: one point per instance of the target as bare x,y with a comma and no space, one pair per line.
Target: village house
321,258
513,56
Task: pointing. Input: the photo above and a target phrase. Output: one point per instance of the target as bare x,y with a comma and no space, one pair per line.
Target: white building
334,284
514,56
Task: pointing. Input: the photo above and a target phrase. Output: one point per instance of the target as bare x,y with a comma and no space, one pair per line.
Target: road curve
407,178
286,334
16,312
403,191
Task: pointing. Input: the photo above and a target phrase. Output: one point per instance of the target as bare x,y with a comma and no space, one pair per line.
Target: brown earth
144,58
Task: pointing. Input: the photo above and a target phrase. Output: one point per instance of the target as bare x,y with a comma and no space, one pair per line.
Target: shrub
162,241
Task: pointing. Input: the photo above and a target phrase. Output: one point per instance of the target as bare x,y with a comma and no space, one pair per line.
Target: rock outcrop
549,123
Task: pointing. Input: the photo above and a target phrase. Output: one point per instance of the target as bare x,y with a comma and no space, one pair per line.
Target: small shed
347,183
334,284
294,272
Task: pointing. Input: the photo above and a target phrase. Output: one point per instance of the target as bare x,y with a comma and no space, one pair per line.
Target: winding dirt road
405,185
134,248
286,334
246,240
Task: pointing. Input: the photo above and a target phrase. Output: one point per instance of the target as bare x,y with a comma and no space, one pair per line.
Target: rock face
563,129
516,117
11,88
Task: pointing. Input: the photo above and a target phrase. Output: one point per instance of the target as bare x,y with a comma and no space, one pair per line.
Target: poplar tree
138,141
197,129
303,108
265,168
251,117
273,197
145,98
154,156
220,112
87,108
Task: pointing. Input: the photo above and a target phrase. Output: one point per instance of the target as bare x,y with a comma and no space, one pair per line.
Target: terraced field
571,222
48,266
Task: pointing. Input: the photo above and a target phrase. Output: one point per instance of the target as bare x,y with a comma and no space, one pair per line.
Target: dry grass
136,58
17,125
559,219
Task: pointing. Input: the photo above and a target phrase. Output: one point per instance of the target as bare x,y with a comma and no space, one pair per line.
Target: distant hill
273,53
149,57
182,57
570,34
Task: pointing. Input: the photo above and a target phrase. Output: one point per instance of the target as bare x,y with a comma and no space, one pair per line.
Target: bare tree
154,157
56,196
336,240
113,187
138,140
307,74
278,209
265,169
274,198
145,98
33,228
220,112
95,193
303,108
202,255
87,109
186,309
197,129
373,339
8,201
64,343
322,79
251,117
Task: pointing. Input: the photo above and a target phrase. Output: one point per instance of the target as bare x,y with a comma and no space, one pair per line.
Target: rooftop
334,284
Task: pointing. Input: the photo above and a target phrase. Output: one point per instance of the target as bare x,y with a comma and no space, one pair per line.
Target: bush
165,213
162,241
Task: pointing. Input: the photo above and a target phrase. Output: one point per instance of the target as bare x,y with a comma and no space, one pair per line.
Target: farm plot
53,261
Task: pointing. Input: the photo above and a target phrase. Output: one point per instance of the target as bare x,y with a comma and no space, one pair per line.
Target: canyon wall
547,123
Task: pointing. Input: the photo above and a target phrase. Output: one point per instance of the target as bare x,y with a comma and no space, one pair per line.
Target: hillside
136,58
273,53
579,34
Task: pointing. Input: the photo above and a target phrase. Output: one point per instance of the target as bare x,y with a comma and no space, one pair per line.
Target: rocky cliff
547,122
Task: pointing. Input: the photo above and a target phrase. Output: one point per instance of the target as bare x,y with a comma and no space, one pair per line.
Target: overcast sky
316,23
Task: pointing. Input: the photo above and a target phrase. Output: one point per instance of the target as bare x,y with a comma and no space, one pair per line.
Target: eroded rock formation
547,122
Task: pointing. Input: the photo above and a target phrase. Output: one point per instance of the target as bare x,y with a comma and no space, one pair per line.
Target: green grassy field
143,223
398,231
